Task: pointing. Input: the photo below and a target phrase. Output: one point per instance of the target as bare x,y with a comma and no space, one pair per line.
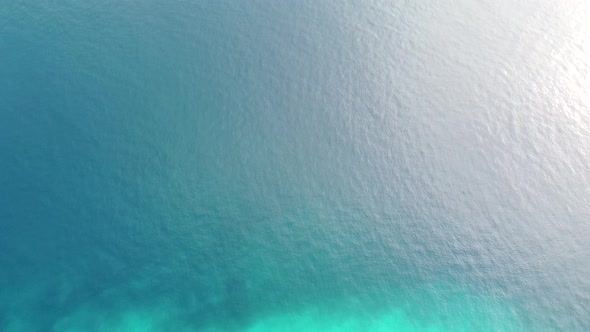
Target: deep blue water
294,165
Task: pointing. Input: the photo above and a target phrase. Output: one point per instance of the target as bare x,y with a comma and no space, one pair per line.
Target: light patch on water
432,308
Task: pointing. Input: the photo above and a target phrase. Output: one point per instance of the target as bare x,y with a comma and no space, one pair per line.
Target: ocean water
302,165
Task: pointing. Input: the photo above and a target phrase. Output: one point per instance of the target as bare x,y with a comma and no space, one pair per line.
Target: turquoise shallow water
294,166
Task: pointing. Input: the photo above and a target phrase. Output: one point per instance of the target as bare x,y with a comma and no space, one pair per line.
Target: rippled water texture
294,165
